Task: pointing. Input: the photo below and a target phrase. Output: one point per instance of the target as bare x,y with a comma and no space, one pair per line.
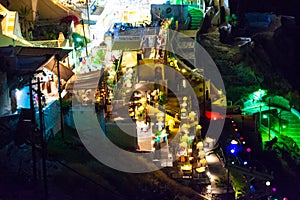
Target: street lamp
269,120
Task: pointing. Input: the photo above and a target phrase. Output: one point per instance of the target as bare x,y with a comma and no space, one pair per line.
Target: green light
265,116
283,126
232,162
258,94
78,39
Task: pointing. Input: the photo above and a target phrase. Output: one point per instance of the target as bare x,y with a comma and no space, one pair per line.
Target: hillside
267,62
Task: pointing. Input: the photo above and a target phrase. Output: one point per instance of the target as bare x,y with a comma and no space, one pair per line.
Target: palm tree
26,25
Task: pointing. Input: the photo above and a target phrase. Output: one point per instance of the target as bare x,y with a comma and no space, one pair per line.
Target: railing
127,38
51,114
50,43
45,43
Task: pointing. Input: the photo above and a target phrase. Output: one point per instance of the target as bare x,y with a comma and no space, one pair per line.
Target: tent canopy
19,64
88,80
51,65
41,51
45,9
25,61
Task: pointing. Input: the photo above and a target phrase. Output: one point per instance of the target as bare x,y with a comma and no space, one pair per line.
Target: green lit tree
79,40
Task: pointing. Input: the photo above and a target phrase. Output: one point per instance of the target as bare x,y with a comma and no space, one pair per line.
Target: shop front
34,78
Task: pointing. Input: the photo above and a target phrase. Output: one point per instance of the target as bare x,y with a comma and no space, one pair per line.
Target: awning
46,9
126,45
24,61
65,72
19,64
129,58
21,58
88,80
41,51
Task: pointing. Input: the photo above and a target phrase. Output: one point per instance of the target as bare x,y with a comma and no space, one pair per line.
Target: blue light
245,162
252,188
234,148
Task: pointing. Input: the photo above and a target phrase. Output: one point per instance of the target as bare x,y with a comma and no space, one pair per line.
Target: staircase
197,18
292,128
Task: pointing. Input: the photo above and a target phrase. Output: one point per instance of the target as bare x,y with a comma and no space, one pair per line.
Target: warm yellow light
200,169
186,167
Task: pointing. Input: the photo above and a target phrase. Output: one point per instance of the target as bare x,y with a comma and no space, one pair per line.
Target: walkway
218,174
292,126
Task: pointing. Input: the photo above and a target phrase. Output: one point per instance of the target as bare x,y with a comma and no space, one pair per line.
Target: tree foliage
26,25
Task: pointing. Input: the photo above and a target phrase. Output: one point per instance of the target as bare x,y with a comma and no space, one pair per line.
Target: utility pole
269,120
88,11
33,127
85,40
280,121
60,98
43,143
204,96
259,114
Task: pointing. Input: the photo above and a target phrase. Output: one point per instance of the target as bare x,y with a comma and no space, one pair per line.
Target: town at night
149,100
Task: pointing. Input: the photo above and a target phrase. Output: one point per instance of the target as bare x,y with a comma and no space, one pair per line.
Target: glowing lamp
265,116
252,188
234,142
186,167
268,183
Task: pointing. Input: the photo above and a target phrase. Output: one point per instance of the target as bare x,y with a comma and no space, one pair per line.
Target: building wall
4,95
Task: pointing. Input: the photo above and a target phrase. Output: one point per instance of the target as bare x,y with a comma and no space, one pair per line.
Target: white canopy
44,9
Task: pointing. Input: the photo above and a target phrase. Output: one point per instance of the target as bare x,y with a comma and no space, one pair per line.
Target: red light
241,138
248,150
214,115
